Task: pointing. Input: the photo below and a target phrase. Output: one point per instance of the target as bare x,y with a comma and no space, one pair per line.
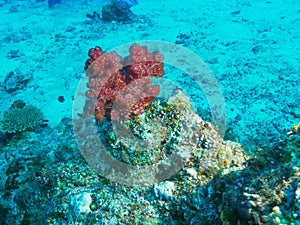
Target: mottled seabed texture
150,112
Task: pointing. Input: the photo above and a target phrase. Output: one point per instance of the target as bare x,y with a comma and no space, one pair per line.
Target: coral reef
45,180
219,184
266,191
21,117
117,11
126,83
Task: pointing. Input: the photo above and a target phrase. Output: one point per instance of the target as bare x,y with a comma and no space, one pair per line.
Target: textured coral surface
128,81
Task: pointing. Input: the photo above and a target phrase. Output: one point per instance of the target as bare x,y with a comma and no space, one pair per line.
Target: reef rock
15,80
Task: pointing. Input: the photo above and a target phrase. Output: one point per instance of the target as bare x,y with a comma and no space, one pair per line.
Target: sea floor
252,48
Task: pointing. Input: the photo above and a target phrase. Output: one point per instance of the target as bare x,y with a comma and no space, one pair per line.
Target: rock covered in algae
171,129
266,191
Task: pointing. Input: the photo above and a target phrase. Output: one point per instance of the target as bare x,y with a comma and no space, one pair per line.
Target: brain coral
20,119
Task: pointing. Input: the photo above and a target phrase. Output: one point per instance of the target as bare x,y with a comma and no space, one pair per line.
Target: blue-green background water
252,49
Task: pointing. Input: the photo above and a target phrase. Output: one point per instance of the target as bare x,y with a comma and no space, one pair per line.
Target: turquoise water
86,138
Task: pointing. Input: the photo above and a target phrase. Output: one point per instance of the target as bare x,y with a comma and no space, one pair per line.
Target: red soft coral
122,87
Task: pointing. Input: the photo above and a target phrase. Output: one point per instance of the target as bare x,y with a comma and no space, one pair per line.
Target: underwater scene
139,112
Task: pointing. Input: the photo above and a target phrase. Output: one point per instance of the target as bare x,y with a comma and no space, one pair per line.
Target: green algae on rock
168,128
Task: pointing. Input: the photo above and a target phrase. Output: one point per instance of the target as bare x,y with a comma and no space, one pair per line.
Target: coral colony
218,184
109,75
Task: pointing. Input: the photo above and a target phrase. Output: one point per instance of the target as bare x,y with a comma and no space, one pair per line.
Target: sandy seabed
252,48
